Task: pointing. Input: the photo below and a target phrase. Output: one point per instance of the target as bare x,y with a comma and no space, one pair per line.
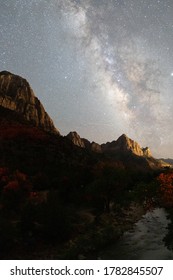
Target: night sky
100,67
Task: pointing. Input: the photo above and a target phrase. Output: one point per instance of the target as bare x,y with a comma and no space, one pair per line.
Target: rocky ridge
125,144
18,103
84,143
17,96
122,144
75,138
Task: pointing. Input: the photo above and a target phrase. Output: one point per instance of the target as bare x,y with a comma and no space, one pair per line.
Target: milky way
100,67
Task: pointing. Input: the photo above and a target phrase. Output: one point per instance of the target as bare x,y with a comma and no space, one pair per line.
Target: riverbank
102,232
93,235
144,241
131,233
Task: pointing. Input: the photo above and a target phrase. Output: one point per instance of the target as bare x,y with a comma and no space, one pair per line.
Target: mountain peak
84,143
124,136
4,72
122,145
17,96
125,144
76,139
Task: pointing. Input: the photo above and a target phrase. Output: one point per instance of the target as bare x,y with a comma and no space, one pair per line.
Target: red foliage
166,188
15,186
12,186
19,130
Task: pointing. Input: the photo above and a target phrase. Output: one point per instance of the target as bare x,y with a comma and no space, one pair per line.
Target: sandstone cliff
125,144
75,138
146,152
95,147
122,144
17,95
84,143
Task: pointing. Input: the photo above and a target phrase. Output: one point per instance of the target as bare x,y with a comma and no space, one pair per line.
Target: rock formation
17,95
122,144
84,143
95,147
146,152
125,144
75,138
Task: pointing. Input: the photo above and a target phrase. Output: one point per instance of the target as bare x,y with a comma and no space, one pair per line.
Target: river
144,241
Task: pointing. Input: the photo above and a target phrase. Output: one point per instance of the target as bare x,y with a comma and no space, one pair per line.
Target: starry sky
100,67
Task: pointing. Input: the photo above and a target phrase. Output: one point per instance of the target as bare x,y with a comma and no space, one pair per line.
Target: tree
166,188
16,189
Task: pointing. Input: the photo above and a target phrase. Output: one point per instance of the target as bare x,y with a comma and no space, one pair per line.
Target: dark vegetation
166,189
58,201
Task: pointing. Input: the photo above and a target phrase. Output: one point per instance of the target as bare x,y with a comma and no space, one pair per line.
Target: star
113,58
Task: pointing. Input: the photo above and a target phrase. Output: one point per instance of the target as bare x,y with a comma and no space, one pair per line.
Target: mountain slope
167,160
124,150
83,143
125,144
17,96
29,139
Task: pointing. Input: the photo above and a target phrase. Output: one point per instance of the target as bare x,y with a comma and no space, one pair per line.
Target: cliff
125,144
17,96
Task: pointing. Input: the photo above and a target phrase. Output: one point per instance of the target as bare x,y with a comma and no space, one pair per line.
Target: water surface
144,241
